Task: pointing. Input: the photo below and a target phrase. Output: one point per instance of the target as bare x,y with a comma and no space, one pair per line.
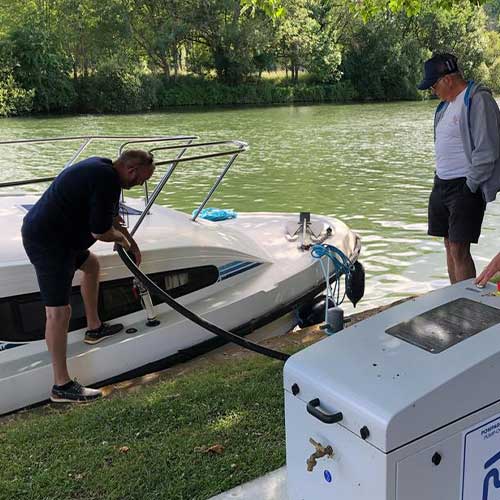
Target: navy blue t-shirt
83,199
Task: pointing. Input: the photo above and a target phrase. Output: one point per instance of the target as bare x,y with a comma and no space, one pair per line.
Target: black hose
169,300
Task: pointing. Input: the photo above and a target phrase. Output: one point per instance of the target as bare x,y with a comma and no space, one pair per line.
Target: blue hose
341,266
340,261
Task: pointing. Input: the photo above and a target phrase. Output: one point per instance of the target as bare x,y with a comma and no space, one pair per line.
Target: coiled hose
341,266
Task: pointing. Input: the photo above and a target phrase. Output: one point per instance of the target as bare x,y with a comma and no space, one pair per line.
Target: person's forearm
111,235
119,227
118,224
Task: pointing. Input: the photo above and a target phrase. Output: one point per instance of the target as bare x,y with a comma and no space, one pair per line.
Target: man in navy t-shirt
79,208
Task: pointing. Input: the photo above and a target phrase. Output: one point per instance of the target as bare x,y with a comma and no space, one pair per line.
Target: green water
370,165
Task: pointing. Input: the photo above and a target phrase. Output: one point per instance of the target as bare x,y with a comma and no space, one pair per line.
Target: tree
460,30
41,65
233,36
383,59
94,33
371,8
309,38
160,28
14,100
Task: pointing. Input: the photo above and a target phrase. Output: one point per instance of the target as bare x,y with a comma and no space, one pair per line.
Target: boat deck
168,240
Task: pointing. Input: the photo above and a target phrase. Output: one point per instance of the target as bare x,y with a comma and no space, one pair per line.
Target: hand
489,271
123,242
134,250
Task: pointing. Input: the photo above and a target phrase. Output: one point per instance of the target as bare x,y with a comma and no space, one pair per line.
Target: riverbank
147,93
191,431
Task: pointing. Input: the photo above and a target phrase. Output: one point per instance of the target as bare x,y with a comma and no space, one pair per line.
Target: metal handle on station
327,418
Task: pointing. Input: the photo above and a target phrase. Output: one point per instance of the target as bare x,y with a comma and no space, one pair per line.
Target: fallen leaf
216,448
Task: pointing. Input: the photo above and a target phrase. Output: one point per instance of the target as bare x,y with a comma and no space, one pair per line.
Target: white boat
242,274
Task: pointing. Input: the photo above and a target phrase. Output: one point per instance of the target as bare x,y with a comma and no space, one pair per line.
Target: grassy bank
190,437
190,432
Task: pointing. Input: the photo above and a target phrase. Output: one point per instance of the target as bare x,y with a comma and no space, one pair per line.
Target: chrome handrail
87,140
239,147
158,189
27,181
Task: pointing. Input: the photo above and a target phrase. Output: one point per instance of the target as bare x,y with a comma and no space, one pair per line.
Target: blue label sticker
328,476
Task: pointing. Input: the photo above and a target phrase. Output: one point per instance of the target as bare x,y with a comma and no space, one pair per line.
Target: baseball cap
436,67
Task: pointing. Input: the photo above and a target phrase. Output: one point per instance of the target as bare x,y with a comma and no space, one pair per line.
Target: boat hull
261,275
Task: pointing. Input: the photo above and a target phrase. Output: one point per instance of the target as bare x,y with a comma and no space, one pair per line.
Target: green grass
75,453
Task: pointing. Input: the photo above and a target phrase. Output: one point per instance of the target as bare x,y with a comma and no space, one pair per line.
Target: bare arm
118,224
113,235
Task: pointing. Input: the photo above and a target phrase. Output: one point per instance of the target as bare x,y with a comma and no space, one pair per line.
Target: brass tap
321,451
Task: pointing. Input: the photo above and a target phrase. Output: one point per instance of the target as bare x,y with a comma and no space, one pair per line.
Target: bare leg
89,288
56,335
464,267
449,262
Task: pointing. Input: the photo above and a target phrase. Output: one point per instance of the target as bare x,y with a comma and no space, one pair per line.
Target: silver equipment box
402,406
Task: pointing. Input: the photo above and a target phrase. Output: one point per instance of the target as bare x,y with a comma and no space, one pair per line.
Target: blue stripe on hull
4,347
234,268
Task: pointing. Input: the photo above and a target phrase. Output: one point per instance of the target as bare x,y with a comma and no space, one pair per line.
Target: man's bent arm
119,225
113,235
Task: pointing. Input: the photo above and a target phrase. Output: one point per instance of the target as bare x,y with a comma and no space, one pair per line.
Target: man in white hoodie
467,142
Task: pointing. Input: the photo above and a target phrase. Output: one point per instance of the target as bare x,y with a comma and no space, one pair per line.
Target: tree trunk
165,67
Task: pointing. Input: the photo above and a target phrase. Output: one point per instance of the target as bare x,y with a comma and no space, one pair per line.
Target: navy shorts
455,212
55,268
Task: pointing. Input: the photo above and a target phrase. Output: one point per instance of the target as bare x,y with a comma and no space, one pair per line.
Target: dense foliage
138,55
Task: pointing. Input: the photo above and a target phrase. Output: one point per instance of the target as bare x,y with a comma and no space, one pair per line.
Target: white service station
402,406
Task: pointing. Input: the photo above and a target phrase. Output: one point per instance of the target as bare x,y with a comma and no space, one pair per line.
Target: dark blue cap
436,67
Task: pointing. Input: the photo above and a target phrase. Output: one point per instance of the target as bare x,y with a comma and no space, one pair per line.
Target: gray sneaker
73,392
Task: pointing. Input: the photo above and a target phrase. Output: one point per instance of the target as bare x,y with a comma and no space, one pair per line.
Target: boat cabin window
23,316
8,319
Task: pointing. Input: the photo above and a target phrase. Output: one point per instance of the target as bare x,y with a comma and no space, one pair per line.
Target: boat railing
231,148
86,141
234,148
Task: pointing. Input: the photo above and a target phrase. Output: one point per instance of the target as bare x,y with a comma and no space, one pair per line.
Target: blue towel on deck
216,214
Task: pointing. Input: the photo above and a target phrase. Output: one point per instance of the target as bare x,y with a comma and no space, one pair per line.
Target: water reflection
370,165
